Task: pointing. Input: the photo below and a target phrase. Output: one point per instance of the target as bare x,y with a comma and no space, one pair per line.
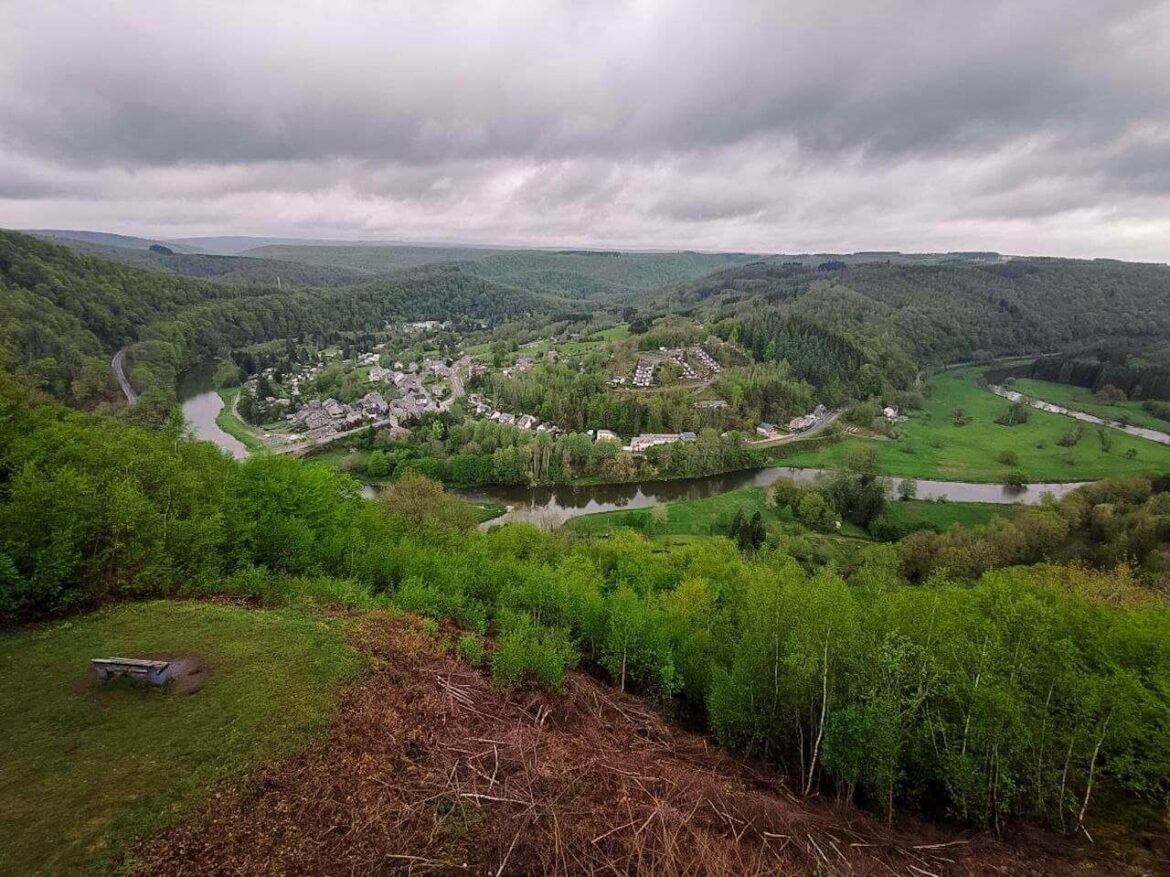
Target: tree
907,489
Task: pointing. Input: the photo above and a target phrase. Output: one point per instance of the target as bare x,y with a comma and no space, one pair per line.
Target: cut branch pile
427,769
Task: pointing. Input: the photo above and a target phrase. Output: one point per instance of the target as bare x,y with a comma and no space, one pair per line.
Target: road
820,425
118,364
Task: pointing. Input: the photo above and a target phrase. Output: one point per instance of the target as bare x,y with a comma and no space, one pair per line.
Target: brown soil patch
426,769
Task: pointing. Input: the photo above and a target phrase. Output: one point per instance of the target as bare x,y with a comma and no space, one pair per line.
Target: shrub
470,649
1014,415
529,654
1015,479
1008,458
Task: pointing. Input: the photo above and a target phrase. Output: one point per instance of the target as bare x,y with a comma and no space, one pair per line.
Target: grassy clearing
696,517
87,769
234,426
1082,399
913,514
932,446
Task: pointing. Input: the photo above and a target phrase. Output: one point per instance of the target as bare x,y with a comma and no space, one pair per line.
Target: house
640,443
767,430
890,413
800,424
508,419
373,404
605,435
526,421
333,408
712,404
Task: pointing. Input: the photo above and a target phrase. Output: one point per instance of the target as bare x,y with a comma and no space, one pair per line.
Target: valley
592,497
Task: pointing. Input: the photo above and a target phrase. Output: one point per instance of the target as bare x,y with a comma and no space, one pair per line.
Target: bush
1015,479
1008,458
470,649
1014,415
529,654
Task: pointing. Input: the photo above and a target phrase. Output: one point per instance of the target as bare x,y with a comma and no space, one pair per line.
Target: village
406,390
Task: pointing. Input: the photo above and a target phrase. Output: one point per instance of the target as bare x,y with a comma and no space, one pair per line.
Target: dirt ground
428,770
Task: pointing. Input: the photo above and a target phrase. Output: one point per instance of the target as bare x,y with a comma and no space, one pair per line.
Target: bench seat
154,672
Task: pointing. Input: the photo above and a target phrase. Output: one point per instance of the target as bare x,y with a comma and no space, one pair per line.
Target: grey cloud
821,124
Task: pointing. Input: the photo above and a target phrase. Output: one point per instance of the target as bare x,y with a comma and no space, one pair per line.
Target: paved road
118,365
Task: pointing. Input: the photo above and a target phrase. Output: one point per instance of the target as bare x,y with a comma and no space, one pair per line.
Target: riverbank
229,420
713,515
552,506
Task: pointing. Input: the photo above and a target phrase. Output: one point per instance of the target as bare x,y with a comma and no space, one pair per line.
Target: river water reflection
552,506
201,404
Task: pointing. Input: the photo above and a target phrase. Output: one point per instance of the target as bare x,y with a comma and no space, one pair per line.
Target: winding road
118,364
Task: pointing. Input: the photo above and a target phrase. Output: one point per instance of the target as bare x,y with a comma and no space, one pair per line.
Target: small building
526,421
767,430
605,435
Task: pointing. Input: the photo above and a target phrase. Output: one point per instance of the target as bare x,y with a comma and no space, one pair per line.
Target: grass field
233,426
944,515
932,446
1082,399
87,770
695,517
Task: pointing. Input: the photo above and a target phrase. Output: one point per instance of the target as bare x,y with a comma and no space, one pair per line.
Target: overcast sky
1029,126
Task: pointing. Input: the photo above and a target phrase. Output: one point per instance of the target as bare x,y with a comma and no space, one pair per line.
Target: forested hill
62,314
904,317
230,269
571,273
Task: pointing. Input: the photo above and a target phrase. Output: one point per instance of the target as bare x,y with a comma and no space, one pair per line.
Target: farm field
88,770
931,445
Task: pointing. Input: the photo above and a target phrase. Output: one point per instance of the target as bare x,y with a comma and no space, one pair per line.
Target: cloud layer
1039,127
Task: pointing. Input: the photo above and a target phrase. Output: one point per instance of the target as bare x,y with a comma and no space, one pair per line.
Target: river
201,404
552,506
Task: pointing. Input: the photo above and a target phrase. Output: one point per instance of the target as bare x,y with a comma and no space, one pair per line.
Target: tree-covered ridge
67,311
569,273
900,317
228,269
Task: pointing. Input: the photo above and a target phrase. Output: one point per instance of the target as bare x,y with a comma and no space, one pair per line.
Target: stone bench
154,672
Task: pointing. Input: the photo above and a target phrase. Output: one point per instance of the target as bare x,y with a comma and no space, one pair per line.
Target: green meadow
88,769
934,443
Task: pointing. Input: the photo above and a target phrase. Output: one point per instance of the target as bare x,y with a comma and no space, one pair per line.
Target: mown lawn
87,770
931,445
1082,399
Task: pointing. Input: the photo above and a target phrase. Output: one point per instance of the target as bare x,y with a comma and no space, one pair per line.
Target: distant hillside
832,320
231,269
371,259
571,273
105,239
62,313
